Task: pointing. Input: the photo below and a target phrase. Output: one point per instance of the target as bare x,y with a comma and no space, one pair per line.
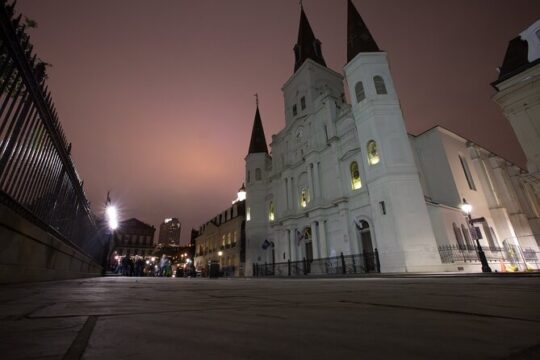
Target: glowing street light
112,217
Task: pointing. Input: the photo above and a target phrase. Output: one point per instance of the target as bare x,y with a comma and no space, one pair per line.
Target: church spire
359,38
307,46
258,141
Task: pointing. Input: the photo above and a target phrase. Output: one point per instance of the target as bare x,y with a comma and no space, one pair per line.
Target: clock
299,132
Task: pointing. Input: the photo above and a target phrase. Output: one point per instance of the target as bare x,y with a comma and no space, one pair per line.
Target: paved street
360,318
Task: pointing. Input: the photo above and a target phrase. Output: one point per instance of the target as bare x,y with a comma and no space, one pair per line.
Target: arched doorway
363,233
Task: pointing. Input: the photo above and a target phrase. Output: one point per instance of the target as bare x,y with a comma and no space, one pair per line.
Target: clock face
299,132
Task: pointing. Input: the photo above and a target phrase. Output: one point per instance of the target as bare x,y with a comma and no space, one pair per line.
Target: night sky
157,96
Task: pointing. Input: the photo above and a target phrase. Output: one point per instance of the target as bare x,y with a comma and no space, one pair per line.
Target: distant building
169,232
222,239
133,237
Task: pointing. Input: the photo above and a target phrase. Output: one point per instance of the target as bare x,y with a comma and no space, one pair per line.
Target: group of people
129,266
138,266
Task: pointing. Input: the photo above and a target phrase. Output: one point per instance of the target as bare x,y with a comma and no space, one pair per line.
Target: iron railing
509,254
37,177
336,265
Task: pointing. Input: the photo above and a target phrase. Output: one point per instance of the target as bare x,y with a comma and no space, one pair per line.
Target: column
315,240
322,238
286,192
289,193
317,178
292,242
310,182
292,193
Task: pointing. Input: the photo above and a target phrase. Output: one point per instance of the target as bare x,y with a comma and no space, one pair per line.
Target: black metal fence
336,265
509,254
37,176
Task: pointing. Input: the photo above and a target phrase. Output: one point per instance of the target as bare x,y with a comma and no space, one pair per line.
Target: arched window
304,198
271,211
459,237
380,87
257,174
359,90
248,214
372,153
355,176
467,235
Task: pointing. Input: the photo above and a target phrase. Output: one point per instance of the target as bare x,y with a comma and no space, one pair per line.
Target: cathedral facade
348,178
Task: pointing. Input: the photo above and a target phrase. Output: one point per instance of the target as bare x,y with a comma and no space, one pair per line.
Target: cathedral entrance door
364,235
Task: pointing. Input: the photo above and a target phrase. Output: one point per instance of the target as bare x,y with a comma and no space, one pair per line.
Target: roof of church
515,59
359,38
519,54
307,46
258,141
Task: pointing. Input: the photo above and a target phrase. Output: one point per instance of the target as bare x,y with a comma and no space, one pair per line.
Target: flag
265,244
358,223
299,237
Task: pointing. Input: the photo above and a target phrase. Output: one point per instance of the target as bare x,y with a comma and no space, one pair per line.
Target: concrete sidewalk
427,317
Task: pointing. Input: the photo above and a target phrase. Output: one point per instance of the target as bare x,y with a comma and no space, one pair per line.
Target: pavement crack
454,312
77,348
532,352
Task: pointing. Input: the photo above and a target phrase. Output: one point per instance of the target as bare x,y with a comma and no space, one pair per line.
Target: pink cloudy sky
157,95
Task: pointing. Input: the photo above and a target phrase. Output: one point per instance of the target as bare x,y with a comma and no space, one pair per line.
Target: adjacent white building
348,178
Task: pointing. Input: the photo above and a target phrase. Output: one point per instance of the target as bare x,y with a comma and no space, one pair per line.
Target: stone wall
29,253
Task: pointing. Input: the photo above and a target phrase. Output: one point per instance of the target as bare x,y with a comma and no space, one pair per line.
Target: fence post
304,266
289,266
377,262
353,265
344,270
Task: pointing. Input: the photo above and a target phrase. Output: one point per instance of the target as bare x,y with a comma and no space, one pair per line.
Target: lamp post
112,223
467,210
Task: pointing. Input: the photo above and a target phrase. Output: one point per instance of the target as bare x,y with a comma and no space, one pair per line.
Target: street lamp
467,210
112,217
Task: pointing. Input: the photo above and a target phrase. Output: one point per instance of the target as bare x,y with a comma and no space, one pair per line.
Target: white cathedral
349,178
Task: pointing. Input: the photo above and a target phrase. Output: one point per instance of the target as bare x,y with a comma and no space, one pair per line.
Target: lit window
294,110
372,153
359,89
248,214
380,88
303,102
355,176
257,174
271,212
304,198
223,240
229,239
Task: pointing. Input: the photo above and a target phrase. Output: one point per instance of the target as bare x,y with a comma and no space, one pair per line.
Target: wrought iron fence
508,254
335,265
37,177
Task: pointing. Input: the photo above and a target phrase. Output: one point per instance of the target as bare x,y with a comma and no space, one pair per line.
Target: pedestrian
162,263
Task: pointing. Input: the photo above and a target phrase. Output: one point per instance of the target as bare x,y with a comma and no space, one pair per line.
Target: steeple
307,46
258,141
359,38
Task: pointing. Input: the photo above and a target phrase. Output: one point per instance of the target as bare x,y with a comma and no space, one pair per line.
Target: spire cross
257,99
